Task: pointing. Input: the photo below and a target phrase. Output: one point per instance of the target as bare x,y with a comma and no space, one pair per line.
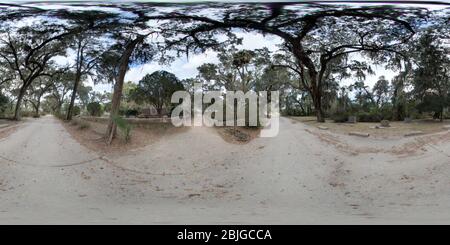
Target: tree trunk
115,105
58,108
315,77
397,101
38,104
118,87
19,103
74,95
317,99
395,111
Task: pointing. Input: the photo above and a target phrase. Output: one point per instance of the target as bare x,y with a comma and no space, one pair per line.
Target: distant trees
157,89
236,70
26,53
37,91
432,75
381,91
62,83
88,44
95,109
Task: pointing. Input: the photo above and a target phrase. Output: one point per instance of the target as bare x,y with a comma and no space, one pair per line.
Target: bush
124,127
4,100
27,113
107,107
131,112
83,125
59,115
95,109
386,112
76,111
369,117
340,117
293,112
80,123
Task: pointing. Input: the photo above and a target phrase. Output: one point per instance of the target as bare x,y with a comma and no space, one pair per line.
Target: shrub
340,117
27,113
293,112
59,115
4,100
95,109
83,125
124,127
369,117
74,122
131,112
76,111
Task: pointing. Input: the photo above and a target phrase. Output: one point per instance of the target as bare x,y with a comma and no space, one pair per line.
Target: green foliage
434,103
295,112
369,117
27,113
95,109
130,113
4,100
432,76
60,116
123,126
381,90
107,107
76,110
340,116
157,89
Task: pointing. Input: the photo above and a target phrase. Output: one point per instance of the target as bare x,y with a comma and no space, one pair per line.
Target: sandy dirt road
298,177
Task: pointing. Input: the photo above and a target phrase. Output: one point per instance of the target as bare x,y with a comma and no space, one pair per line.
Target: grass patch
83,125
124,127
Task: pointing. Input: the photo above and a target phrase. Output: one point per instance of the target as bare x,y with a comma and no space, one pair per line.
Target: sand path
298,177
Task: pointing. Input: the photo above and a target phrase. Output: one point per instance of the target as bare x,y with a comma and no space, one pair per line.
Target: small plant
340,117
124,127
59,115
131,113
76,111
372,116
83,125
74,122
27,113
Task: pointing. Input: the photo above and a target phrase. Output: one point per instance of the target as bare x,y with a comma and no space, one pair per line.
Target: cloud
197,60
137,73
